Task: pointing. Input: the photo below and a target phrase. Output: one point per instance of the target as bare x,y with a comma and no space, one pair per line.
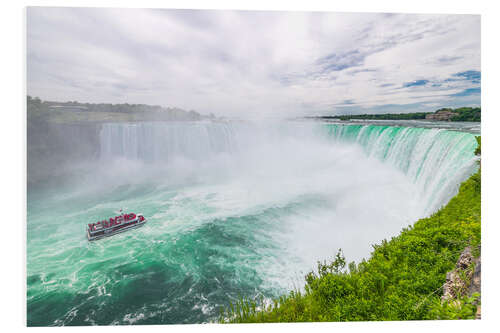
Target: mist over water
233,208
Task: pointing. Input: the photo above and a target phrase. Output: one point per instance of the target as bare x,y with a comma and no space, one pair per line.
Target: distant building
442,115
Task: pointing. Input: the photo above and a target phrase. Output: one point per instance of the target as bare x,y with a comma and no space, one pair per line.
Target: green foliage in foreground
478,149
402,280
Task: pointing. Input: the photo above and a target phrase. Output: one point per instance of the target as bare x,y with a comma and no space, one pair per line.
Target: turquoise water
234,209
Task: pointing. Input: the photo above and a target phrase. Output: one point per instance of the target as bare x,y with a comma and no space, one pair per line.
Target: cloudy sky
254,64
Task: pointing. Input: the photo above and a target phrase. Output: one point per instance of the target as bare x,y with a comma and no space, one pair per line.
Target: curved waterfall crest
436,160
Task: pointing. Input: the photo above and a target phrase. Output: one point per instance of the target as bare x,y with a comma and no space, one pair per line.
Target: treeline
466,114
76,111
385,116
123,108
402,280
462,114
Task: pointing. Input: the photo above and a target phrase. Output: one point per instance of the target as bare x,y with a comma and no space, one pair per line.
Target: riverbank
402,280
472,114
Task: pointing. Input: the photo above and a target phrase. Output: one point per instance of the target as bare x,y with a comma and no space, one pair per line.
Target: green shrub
402,280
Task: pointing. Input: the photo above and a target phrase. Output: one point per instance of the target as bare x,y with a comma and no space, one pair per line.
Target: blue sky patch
415,83
469,75
467,92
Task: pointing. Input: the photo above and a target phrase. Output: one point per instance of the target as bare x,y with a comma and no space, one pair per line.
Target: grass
402,280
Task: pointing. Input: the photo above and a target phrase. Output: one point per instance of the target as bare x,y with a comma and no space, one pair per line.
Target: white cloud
242,63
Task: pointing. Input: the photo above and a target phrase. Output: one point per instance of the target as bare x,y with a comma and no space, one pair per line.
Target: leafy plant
401,280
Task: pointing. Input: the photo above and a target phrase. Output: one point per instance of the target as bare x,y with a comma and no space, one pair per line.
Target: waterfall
234,209
155,141
436,160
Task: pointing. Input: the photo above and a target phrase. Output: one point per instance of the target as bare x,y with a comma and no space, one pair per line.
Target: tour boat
114,225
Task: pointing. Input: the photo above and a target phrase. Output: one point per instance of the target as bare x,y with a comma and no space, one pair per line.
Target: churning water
234,209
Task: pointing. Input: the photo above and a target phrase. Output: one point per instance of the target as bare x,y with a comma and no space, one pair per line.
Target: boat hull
114,232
